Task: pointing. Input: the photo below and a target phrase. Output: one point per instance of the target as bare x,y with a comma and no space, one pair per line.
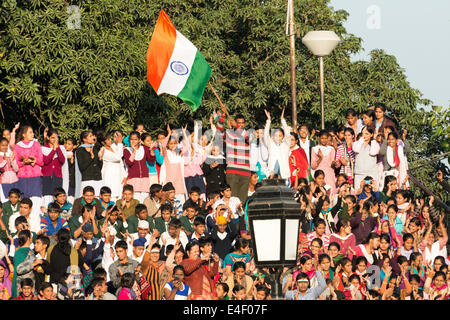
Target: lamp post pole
322,85
321,43
292,61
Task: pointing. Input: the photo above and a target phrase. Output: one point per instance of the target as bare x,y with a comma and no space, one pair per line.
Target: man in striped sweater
237,151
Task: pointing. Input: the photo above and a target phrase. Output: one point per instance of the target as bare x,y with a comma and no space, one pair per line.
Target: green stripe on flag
195,85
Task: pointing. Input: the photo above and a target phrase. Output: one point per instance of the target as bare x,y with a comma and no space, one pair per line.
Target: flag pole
220,102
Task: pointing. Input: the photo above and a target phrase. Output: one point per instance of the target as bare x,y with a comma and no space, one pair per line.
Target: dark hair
127,280
105,190
440,258
145,135
351,112
139,208
53,207
439,274
23,237
88,207
324,256
44,239
155,188
27,201
102,136
73,140
97,281
178,267
237,288
88,189
380,105
195,189
224,287
84,134
203,241
224,187
323,133
175,223
387,180
199,221
386,237
354,276
45,285
238,264
14,191
334,244
64,236
370,114
135,133
352,132
369,129
361,259
128,187
165,207
121,244
58,191
19,220
190,245
341,223
240,243
27,282
393,134
392,206
318,221
372,235
414,277
304,259
401,259
407,236
414,256
318,240
344,261
99,272
318,173
22,130
239,116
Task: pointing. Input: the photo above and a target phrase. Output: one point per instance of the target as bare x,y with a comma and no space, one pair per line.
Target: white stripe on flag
176,75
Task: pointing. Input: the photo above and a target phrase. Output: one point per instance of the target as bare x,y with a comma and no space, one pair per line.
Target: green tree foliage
72,74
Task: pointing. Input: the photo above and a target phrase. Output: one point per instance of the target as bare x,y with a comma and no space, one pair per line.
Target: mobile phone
367,181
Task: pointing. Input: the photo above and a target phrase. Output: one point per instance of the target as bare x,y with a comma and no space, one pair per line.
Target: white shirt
171,241
233,204
34,223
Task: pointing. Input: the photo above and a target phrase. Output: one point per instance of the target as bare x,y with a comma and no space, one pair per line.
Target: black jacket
91,169
223,247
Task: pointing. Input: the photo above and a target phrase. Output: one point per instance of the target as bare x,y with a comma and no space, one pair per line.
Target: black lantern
274,220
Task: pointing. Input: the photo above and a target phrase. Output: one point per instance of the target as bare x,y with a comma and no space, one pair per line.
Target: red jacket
53,165
138,169
195,271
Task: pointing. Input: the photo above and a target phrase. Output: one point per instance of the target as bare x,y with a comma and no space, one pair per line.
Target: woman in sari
155,271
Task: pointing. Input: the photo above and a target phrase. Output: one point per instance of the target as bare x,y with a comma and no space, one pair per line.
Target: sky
416,32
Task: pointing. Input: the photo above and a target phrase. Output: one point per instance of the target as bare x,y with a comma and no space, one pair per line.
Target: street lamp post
274,222
321,43
290,31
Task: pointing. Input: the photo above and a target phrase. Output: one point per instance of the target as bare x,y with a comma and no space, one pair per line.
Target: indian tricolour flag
174,64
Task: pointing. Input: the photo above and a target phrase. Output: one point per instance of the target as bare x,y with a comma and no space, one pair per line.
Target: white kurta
113,170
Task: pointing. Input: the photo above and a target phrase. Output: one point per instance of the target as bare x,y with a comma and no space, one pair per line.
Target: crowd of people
150,217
